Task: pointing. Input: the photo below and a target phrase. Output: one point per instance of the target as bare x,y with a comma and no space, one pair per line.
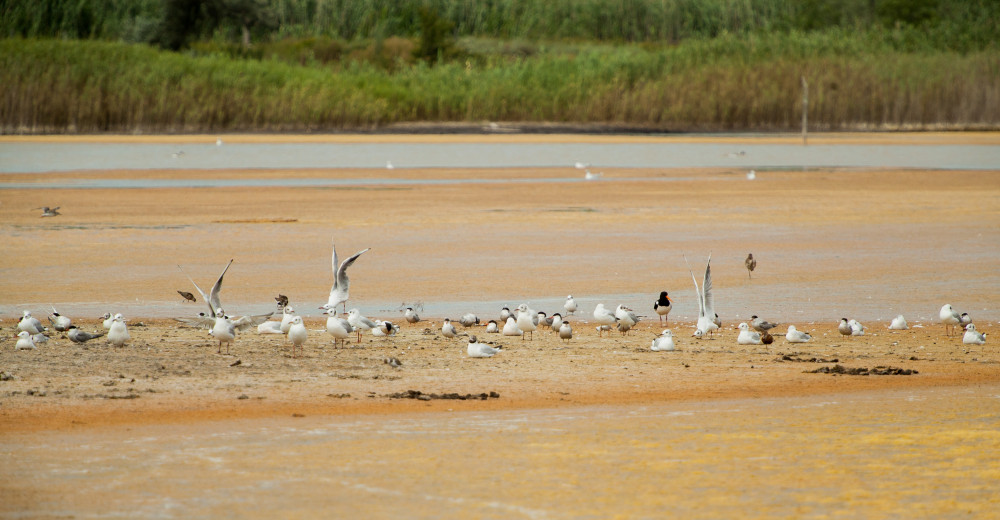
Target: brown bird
187,296
750,263
766,338
282,301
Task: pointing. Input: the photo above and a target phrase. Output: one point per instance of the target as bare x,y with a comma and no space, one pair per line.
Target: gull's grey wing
246,322
342,280
706,289
697,293
216,304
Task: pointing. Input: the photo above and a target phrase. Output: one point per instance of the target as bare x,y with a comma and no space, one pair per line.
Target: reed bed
92,86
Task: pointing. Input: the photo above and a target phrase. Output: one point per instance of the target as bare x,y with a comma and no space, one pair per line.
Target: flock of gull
522,321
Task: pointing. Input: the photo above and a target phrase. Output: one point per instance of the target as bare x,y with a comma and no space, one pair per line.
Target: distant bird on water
751,264
187,296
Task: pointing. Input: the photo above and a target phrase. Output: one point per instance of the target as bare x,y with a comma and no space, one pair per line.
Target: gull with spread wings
706,304
341,284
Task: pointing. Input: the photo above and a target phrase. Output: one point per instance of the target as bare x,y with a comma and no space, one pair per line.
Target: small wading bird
187,296
751,264
662,306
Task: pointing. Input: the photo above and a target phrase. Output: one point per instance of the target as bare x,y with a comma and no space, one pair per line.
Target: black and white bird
411,315
359,322
480,350
760,324
663,306
30,324
59,322
565,331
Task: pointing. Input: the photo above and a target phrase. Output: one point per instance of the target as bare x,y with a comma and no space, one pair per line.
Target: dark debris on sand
417,394
863,371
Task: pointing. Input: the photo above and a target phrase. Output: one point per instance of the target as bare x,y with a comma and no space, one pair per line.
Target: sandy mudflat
830,243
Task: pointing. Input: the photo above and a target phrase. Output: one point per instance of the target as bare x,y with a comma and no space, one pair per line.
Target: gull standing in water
971,337
663,342
747,336
570,305
297,334
359,322
480,350
341,284
118,333
706,303
796,336
662,306
950,317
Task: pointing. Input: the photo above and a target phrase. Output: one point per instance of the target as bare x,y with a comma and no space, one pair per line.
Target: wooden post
805,110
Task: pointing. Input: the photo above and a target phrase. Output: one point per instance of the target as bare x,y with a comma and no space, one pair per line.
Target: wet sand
854,243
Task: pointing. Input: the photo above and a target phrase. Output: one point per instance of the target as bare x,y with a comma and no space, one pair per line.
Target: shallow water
926,453
52,157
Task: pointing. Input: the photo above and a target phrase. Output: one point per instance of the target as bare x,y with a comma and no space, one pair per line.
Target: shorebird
663,342
751,264
269,327
604,318
964,320
287,315
565,331
216,313
468,319
50,212
761,325
857,329
593,176
844,327
187,296
297,334
510,328
411,315
480,350
626,318
77,335
527,320
972,336
341,284
706,303
384,329
338,327
766,338
950,317
747,336
448,329
30,324
282,301
899,323
544,320
556,322
492,327
662,306
359,322
59,322
25,341
118,333
796,336
570,305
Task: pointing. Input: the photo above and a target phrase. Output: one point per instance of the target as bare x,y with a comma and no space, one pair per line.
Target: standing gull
527,320
359,322
706,303
287,315
338,327
626,318
341,284
950,317
223,330
570,305
297,334
604,317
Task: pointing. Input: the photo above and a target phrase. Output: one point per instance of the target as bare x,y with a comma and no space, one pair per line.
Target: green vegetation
657,65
